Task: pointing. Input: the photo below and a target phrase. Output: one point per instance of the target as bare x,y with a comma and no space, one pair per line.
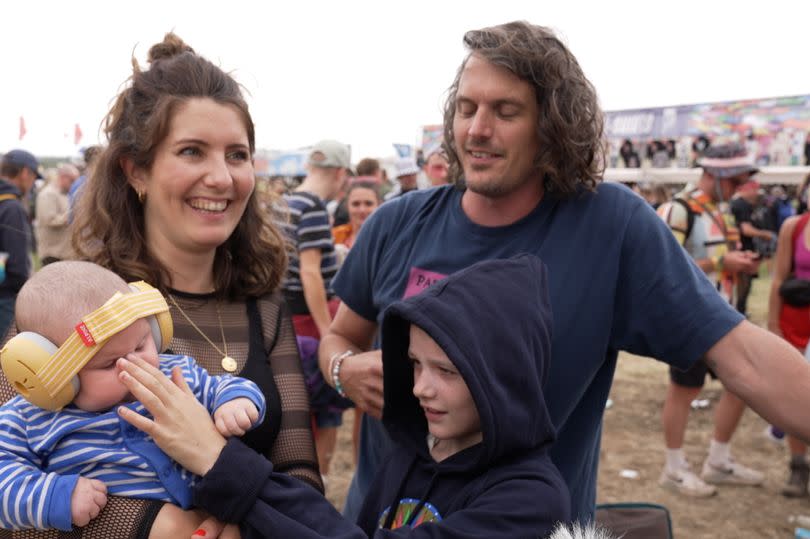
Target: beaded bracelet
334,367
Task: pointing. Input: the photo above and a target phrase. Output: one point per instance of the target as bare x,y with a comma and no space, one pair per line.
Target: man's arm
767,373
314,290
360,374
675,215
751,231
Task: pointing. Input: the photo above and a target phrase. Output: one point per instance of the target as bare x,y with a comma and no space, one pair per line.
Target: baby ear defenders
45,375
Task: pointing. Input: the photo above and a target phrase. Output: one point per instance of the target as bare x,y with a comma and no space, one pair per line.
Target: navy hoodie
493,320
16,239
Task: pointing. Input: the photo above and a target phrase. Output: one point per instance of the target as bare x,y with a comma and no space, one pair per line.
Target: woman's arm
183,429
293,451
243,488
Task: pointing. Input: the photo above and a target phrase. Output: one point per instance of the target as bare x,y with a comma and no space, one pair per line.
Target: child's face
100,388
444,396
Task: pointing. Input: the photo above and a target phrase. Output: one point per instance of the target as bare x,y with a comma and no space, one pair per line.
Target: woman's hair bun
171,46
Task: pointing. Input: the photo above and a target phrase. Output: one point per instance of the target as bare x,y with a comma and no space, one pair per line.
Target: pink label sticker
85,335
420,279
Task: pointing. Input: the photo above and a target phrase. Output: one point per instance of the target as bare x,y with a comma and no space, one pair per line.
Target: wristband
334,368
717,262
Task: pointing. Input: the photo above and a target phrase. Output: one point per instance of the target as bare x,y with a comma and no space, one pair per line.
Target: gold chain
228,363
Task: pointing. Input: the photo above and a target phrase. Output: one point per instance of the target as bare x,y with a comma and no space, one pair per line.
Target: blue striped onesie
43,453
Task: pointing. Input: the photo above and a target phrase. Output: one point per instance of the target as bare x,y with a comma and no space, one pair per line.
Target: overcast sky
371,73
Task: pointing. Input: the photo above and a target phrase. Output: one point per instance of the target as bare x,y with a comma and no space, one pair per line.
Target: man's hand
235,417
741,262
362,379
88,499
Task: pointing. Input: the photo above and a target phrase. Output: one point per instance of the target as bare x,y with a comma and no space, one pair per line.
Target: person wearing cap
708,234
312,264
407,172
89,158
53,214
743,208
19,170
435,166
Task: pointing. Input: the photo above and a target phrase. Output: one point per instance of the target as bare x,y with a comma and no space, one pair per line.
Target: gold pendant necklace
228,363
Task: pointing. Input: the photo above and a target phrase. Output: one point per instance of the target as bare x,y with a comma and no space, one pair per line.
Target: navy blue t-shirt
618,280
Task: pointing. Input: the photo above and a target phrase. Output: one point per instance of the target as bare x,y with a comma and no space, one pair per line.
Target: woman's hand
181,427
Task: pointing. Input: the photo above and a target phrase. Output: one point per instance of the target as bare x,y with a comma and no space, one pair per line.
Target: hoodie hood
8,188
493,320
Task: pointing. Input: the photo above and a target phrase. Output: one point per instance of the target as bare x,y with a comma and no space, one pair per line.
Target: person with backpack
19,170
709,236
789,318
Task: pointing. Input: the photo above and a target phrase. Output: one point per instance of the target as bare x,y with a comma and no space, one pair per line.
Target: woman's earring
141,196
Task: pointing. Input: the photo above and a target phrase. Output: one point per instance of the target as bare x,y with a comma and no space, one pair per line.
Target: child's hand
88,499
235,417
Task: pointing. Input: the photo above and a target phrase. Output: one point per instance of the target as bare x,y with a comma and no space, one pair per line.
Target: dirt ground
632,440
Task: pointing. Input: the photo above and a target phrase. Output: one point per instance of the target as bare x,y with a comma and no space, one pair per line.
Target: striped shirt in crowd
42,453
308,227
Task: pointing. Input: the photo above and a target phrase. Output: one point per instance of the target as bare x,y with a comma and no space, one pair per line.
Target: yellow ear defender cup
21,358
161,323
46,375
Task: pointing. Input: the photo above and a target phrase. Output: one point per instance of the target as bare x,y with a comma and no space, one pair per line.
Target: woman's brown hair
570,124
109,220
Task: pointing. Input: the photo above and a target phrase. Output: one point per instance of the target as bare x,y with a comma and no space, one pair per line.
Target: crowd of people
199,338
789,147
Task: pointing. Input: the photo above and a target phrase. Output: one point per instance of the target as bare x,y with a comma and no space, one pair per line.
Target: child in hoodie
463,364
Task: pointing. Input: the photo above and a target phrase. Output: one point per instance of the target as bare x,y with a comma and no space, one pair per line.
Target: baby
57,467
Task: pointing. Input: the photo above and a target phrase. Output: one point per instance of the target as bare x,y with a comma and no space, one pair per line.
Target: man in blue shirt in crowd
523,131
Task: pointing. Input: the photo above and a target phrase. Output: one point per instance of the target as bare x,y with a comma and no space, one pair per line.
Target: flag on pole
77,134
23,131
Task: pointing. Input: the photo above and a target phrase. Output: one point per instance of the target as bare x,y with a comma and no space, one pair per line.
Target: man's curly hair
570,123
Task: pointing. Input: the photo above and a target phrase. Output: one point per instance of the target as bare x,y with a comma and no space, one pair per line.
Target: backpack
690,218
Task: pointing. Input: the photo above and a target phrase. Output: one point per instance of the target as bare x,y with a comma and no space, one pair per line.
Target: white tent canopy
766,175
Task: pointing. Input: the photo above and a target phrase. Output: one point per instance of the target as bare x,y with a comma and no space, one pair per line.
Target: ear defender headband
46,375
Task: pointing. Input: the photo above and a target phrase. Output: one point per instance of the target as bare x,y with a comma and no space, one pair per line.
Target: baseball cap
434,147
406,167
727,161
330,154
22,158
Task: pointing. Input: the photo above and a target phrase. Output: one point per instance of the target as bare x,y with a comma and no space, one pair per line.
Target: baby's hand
235,417
88,499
